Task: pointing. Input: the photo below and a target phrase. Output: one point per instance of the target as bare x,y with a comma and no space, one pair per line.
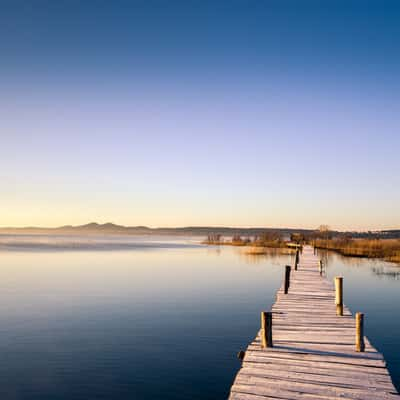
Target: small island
258,244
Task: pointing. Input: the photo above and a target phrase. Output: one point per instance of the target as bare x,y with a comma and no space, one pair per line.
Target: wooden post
287,278
320,267
241,355
314,248
266,329
360,345
339,295
296,260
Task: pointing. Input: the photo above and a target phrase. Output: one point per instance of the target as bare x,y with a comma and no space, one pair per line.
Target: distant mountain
94,226
111,228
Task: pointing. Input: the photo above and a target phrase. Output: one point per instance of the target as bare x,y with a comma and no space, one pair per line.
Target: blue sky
163,113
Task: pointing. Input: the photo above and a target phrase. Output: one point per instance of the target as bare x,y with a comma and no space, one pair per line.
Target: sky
183,113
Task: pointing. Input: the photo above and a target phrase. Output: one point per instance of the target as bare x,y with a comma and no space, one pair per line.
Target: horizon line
99,225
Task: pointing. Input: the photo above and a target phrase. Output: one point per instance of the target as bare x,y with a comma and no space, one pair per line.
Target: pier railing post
360,345
320,267
287,278
266,329
296,261
339,295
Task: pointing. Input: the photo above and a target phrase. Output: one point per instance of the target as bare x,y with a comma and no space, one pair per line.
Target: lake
145,318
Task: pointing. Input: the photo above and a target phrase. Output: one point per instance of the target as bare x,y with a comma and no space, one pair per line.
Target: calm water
145,319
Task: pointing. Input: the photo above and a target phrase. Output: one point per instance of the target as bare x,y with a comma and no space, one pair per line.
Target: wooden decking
314,353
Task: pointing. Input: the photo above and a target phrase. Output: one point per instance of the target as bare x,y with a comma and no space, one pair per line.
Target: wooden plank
343,380
315,388
308,356
300,392
320,367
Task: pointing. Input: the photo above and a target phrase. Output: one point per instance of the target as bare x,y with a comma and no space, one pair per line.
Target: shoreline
365,252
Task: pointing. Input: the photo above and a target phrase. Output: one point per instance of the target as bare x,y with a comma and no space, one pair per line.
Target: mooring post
266,329
287,278
339,295
320,267
360,345
296,261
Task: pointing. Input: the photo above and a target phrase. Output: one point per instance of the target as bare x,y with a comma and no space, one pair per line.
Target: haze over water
165,317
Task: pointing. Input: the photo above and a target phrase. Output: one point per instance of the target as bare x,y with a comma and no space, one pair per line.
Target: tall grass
268,239
387,249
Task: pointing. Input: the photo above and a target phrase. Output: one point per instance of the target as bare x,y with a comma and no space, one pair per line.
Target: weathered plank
314,354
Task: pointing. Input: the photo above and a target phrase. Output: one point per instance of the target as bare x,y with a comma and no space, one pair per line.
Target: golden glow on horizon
155,220
58,208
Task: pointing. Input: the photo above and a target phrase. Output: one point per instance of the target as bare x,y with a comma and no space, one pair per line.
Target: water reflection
384,272
380,268
273,256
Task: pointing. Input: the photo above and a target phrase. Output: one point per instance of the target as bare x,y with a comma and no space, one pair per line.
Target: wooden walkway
313,354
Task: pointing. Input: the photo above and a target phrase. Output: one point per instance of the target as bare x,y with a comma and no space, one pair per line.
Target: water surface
166,319
163,320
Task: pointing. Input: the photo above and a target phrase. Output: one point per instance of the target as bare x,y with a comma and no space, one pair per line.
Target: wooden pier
313,354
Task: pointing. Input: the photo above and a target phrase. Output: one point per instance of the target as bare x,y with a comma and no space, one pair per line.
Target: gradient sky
173,113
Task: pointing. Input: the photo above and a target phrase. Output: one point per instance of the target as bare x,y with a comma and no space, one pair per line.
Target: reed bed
387,249
257,244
